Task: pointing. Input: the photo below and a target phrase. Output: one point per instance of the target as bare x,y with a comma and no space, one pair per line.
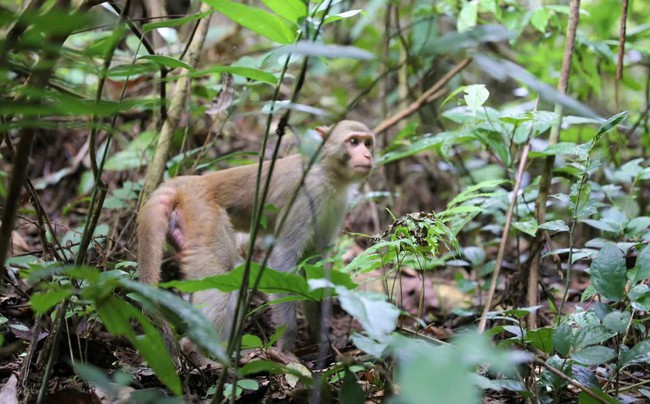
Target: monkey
198,216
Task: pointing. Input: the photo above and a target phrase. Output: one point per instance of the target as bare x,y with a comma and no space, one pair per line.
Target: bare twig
427,96
547,173
504,238
157,167
621,51
571,381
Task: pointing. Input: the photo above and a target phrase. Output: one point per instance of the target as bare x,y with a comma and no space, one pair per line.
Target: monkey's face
358,148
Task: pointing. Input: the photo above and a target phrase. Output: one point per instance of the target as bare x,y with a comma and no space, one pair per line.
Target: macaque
199,215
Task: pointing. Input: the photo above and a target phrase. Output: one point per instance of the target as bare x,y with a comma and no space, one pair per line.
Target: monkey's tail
153,226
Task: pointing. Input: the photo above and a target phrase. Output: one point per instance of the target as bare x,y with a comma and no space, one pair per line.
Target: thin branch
621,51
504,238
426,97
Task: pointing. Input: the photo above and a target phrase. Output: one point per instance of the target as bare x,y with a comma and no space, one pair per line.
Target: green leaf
134,156
643,265
612,122
529,227
421,144
539,20
475,95
167,61
467,16
249,341
343,15
608,273
351,392
271,282
639,353
41,302
555,226
198,328
174,22
308,48
541,338
117,315
377,316
617,321
591,335
257,20
562,148
640,297
292,10
594,355
455,42
563,339
248,72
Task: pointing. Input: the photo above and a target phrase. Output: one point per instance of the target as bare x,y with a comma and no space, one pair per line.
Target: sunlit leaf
307,48
256,19
608,273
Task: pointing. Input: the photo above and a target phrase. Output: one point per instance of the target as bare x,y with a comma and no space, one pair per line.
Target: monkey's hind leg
210,249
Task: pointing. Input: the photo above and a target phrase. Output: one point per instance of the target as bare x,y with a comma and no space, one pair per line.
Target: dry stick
571,381
547,173
621,51
504,238
427,96
157,168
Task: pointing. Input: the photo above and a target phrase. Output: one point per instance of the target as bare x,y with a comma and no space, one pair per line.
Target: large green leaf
639,353
271,282
292,10
258,20
174,22
197,327
117,315
608,273
594,355
308,48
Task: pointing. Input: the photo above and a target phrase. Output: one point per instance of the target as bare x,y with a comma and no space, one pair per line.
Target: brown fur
199,215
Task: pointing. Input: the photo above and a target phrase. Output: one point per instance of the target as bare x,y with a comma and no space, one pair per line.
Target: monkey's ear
323,131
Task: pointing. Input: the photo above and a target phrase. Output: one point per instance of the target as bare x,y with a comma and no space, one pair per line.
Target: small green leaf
639,353
377,316
174,22
561,149
539,20
351,392
608,273
249,341
594,355
591,335
612,122
555,226
248,72
541,338
167,61
529,227
617,321
640,297
475,95
257,20
41,302
468,16
117,315
308,48
292,10
643,265
563,339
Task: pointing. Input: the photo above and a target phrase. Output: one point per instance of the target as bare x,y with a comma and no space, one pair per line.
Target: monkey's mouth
367,167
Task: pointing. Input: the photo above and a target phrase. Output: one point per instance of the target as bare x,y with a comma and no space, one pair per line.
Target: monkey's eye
368,143
354,141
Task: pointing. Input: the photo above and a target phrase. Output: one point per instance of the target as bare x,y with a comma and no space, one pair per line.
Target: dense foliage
499,248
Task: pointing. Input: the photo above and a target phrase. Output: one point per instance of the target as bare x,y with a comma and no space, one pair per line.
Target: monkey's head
348,150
